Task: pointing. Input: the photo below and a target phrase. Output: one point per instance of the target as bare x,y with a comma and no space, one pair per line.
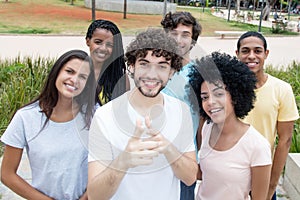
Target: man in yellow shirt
275,109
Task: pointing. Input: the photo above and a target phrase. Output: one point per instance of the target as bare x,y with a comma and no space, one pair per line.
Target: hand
156,136
138,151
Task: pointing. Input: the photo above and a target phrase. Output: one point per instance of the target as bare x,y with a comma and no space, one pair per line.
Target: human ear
87,41
266,53
130,69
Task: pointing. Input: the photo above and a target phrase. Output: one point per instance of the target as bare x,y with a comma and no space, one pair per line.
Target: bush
20,82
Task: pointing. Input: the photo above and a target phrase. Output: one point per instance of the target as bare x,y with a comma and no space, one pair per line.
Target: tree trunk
165,8
237,5
125,9
72,2
266,11
93,10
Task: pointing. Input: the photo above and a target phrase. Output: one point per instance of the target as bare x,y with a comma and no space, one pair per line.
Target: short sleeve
99,146
14,135
261,154
287,107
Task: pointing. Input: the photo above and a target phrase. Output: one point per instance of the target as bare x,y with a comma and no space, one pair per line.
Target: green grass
43,24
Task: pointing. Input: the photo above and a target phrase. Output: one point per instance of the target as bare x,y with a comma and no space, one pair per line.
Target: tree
125,9
93,10
165,8
267,9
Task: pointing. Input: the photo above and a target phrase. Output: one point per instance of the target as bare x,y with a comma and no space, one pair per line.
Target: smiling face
216,102
183,35
101,45
252,53
72,78
151,74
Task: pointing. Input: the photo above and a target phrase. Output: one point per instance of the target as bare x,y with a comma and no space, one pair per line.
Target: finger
141,161
144,154
152,132
148,122
139,129
148,145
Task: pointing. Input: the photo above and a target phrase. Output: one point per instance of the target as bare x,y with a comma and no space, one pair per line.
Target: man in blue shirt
185,29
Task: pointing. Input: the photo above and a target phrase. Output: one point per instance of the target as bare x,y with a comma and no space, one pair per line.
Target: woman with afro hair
234,158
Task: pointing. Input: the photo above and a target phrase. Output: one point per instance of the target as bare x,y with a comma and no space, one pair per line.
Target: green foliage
291,75
20,82
30,31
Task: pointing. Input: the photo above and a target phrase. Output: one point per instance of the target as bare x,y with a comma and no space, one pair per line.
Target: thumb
139,129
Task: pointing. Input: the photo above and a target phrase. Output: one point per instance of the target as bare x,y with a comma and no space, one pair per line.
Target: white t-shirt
57,156
227,174
113,125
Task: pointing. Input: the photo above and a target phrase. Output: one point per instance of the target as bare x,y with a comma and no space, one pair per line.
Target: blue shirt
178,87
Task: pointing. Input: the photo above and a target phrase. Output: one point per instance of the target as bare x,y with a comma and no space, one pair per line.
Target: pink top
227,174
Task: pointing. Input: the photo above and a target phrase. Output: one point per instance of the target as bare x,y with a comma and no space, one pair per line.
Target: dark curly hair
158,41
171,21
238,79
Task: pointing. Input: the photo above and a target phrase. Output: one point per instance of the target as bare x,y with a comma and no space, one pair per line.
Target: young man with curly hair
141,143
185,29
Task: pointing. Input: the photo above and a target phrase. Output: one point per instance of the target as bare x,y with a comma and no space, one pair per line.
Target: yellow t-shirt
275,101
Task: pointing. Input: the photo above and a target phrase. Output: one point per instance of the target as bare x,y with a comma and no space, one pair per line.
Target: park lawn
60,17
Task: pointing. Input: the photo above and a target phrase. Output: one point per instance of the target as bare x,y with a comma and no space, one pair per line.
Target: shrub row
21,81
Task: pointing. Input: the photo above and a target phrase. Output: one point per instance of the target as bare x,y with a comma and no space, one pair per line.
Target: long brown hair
49,95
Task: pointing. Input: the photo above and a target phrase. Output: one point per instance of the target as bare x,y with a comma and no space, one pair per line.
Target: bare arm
184,166
10,178
103,181
260,178
285,132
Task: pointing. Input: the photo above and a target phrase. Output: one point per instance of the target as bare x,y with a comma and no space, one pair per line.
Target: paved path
283,50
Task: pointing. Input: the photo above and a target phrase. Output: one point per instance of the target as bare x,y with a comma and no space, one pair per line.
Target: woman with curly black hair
234,158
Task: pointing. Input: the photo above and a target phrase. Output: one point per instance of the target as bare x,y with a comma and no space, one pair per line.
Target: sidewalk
283,50
24,171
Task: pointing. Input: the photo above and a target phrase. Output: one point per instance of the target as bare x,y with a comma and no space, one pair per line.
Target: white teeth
252,63
215,110
101,55
150,83
71,87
